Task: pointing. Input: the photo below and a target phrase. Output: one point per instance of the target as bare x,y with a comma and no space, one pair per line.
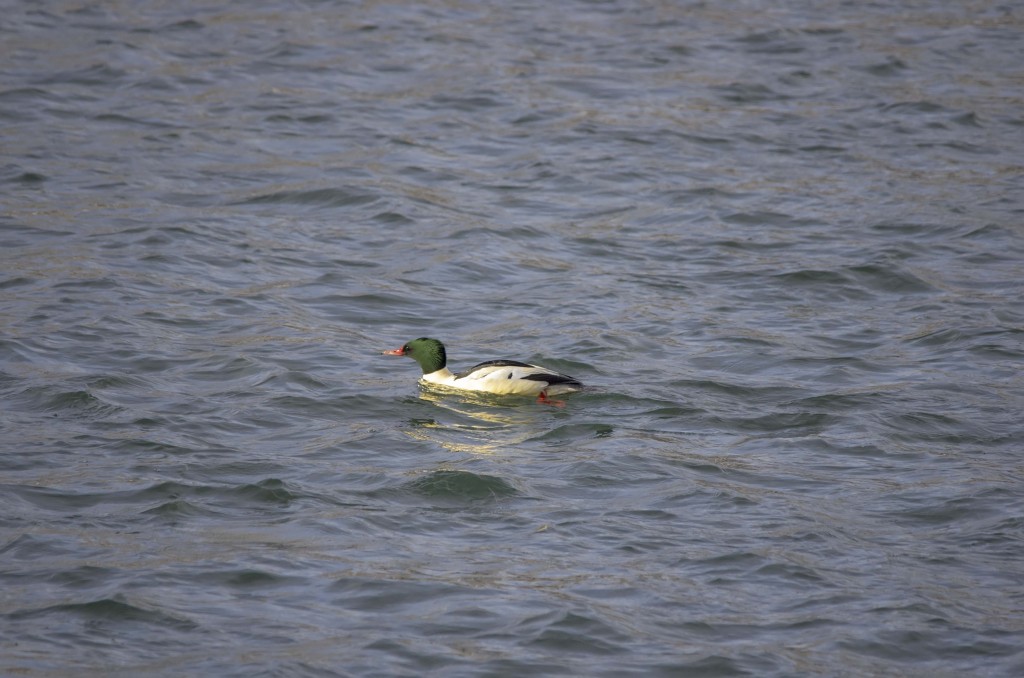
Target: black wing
553,378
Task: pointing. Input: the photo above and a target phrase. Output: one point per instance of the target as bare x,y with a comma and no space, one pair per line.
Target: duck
501,377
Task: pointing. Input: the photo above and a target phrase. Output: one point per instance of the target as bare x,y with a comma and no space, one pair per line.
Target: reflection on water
477,423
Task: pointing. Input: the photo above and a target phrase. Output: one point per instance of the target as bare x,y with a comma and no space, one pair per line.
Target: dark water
784,241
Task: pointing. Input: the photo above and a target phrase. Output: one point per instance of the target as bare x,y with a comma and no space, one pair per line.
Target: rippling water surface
782,241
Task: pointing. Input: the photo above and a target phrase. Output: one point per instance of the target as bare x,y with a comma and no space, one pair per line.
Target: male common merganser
503,377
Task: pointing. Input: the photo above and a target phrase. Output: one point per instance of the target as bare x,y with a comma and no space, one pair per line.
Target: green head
429,353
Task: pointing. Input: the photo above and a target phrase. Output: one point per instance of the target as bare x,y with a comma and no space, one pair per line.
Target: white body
503,380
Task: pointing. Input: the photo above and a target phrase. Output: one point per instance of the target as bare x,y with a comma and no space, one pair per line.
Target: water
782,243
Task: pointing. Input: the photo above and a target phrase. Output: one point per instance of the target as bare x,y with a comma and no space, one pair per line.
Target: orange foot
543,398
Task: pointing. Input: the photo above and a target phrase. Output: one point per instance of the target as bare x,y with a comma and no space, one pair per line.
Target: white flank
500,379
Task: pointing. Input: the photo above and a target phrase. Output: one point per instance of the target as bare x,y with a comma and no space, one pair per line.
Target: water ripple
781,243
